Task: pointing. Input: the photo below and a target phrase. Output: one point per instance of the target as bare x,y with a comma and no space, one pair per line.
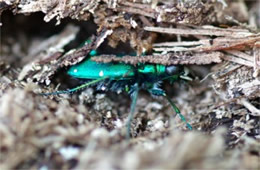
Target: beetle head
173,70
181,71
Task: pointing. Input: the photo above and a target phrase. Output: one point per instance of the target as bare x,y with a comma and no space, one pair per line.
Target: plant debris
218,40
165,59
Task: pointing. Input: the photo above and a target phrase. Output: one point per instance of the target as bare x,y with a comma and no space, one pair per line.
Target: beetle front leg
134,95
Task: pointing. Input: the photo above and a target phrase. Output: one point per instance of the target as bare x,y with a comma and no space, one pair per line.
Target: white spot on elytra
75,70
101,73
103,88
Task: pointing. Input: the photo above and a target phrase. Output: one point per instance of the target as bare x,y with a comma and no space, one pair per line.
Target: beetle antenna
76,88
177,110
132,111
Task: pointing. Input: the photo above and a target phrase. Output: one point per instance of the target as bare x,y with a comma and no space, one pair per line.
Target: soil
218,41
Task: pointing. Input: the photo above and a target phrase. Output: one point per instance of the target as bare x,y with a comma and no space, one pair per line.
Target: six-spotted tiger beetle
119,77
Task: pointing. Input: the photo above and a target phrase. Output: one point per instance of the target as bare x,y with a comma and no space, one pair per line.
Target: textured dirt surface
86,130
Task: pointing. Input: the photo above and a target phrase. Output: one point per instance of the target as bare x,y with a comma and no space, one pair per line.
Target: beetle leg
160,92
76,88
134,95
157,92
177,110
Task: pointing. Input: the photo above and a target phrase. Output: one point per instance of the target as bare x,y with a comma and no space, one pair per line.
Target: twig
253,110
210,32
241,55
238,60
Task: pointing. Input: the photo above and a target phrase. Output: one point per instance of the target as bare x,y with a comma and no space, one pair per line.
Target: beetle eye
172,70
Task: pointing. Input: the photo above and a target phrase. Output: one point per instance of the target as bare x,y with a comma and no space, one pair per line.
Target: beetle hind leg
160,92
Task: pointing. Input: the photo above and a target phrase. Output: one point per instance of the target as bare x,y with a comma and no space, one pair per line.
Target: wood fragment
182,43
256,51
48,51
80,54
220,43
232,44
253,110
211,32
241,55
165,59
238,60
250,88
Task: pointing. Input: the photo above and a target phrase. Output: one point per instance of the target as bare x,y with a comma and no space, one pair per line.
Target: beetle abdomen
92,70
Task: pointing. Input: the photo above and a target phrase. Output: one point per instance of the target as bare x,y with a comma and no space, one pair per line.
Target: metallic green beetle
120,77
